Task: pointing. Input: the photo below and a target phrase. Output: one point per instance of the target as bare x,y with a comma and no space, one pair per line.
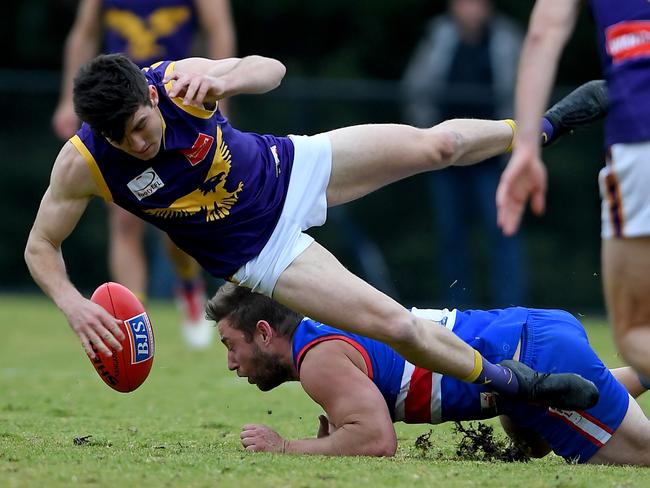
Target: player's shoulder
71,174
156,72
333,354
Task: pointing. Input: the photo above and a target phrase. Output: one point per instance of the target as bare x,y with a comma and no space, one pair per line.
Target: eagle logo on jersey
211,196
142,34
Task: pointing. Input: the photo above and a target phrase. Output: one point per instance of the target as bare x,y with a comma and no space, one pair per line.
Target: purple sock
547,131
500,378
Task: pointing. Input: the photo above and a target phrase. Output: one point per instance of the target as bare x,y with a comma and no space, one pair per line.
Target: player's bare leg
319,286
626,277
126,257
630,444
368,157
629,378
316,284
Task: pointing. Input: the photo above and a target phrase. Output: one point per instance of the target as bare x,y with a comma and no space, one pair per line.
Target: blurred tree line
334,40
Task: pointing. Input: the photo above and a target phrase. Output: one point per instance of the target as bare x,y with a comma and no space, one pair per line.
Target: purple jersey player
240,203
624,42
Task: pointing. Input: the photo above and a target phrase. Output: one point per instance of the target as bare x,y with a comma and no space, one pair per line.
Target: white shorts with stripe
305,206
625,191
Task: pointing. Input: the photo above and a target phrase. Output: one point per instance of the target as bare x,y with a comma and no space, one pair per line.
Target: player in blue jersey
365,386
155,142
623,30
147,31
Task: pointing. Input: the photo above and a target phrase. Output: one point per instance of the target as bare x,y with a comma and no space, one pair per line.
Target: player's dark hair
107,91
244,308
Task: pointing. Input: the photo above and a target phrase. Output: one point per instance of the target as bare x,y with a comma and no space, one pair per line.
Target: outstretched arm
356,409
65,200
204,81
551,24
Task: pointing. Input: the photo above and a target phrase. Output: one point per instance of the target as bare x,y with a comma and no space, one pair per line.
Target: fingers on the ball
114,328
85,343
98,343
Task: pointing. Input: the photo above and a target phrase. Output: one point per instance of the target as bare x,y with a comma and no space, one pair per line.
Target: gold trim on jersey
94,168
211,197
201,113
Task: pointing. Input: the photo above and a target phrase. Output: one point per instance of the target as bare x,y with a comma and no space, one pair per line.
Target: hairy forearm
253,75
349,440
46,265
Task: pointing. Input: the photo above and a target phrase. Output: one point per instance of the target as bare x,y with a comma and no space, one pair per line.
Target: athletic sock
546,136
547,131
499,377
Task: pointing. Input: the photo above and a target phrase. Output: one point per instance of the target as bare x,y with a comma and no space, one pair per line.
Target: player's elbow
272,69
34,249
31,250
381,443
277,69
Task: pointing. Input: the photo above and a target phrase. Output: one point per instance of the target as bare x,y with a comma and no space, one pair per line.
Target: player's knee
441,147
400,330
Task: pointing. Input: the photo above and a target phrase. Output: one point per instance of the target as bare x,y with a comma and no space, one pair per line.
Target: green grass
181,427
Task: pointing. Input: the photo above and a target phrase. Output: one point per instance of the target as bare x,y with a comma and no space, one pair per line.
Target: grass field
181,427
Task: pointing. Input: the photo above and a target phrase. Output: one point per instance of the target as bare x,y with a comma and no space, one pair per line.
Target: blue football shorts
553,341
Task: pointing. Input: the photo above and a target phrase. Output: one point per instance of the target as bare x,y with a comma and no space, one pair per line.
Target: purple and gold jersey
624,38
416,395
218,192
149,30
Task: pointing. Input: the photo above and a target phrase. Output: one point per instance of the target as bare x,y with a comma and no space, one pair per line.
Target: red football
127,369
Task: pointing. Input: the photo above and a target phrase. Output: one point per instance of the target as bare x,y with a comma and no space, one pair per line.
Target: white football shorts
305,206
625,191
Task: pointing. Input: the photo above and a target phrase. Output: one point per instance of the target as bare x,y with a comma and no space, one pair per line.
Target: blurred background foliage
344,62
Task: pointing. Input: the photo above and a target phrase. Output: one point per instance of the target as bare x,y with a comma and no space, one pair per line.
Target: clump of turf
478,443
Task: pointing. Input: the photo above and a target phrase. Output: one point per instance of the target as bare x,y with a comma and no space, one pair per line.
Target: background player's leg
191,297
368,157
126,256
626,278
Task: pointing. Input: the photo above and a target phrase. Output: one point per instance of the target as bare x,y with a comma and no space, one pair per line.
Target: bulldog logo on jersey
199,149
141,337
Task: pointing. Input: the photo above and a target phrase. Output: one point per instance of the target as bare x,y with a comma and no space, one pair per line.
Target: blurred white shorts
625,191
305,206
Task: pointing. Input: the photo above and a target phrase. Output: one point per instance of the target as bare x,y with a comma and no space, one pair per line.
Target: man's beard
271,371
